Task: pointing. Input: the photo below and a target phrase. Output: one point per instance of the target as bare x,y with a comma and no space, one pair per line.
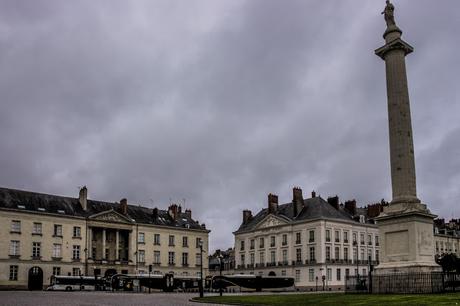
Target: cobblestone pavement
47,298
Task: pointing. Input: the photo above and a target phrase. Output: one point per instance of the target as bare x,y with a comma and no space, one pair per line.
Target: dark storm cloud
221,102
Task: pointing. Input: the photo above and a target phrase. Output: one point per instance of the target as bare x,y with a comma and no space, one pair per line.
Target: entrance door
35,278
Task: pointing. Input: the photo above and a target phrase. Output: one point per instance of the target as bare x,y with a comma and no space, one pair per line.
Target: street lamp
220,257
201,268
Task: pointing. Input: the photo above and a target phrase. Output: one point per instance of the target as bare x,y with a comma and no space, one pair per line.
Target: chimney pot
297,200
247,216
313,194
334,201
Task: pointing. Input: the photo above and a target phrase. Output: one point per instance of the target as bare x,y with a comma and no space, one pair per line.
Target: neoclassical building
447,237
43,234
317,242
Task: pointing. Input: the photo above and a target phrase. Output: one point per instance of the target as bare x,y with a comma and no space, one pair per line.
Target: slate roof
65,206
314,208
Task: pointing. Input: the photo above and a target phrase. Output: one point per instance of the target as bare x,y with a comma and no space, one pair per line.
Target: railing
404,283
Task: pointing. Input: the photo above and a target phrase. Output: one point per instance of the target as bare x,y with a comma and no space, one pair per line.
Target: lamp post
201,268
357,263
220,257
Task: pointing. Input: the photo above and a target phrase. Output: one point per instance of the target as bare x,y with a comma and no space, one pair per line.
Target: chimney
374,210
313,194
297,200
124,206
173,211
272,203
83,198
155,213
247,216
334,201
350,206
188,212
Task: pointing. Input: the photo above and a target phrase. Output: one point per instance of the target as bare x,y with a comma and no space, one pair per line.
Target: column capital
396,44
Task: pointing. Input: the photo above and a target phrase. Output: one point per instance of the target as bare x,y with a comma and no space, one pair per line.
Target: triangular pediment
110,216
270,221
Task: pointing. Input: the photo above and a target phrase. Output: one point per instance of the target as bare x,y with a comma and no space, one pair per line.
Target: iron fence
403,283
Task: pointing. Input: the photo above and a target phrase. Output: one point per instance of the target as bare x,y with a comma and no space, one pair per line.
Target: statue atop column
389,14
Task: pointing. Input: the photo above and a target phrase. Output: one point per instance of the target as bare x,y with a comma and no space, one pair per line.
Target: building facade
43,235
447,237
317,242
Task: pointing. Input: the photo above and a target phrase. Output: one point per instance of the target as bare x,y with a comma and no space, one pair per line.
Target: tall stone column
406,225
104,238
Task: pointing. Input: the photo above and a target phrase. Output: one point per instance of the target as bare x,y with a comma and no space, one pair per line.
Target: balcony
271,264
345,240
241,266
377,244
283,263
250,266
369,243
328,239
337,240
297,263
311,240
260,265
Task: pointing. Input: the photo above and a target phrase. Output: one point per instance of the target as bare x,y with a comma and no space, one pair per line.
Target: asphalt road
47,298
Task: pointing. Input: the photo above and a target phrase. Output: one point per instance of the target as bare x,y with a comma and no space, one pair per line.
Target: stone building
226,259
44,234
447,237
317,242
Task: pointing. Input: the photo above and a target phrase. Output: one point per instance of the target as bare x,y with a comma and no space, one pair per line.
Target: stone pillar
103,244
406,225
90,243
117,246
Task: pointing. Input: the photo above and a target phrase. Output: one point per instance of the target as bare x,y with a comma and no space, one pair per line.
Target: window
273,257
252,258
141,256
329,274
156,257
157,272
272,241
76,252
311,275
76,271
93,253
184,259
337,236
376,240
297,275
14,248
261,243
369,254
242,259
185,242
355,254
362,238
56,270
57,247
354,238
285,259
171,258
337,253
284,241
364,271
345,237
14,273
198,259
37,228
36,246
298,238
197,242
262,257
376,255
15,226
252,244
345,253
328,236
77,232
339,276
369,239
283,272
328,253
171,240
156,239
312,253
298,255
347,273
362,254
106,254
311,236
57,230
141,238
242,245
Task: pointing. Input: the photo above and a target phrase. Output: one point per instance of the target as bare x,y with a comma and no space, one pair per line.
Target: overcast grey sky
222,102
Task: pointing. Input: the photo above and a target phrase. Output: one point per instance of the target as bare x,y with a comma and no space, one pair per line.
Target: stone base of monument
408,266
406,231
